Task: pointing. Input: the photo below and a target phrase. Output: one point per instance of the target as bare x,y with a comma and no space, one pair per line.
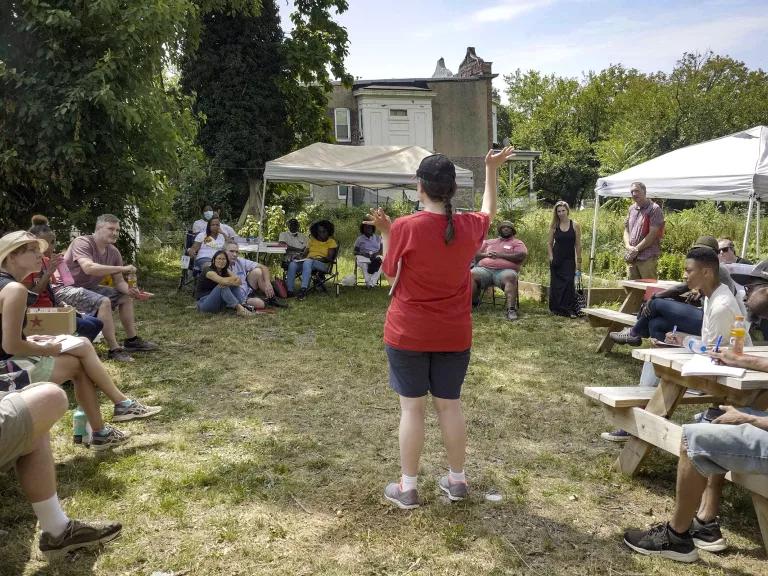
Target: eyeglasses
724,249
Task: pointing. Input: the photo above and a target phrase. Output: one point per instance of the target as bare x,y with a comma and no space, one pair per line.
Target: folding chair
320,280
360,280
189,272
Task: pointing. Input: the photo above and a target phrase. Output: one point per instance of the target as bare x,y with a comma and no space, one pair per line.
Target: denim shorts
87,300
491,276
412,374
720,448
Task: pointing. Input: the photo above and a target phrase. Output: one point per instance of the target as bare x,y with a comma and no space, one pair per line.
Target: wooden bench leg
606,344
662,403
761,509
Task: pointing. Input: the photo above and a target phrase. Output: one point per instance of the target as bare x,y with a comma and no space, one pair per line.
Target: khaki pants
643,269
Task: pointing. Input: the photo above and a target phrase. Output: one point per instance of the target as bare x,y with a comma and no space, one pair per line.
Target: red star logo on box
35,321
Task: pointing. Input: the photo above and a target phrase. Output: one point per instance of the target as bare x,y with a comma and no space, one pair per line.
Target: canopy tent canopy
374,167
731,168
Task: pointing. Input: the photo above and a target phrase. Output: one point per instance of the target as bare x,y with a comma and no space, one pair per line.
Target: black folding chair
189,273
330,278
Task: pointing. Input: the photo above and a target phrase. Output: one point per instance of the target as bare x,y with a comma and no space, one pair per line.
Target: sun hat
437,168
706,242
757,275
14,240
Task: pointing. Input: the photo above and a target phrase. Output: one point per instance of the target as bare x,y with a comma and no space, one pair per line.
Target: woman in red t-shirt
428,329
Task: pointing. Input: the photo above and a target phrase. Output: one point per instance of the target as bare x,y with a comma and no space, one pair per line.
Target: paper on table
701,365
68,342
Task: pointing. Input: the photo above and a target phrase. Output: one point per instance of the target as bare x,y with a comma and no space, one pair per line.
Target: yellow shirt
319,249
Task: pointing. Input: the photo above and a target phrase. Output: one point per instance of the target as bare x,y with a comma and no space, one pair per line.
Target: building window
341,120
398,113
343,191
360,133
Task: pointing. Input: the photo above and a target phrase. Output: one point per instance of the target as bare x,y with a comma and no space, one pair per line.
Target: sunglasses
723,250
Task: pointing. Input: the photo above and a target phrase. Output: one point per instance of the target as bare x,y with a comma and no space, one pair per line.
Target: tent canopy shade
731,168
374,167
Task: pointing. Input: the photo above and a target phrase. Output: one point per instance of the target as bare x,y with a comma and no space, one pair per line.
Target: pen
674,329
717,343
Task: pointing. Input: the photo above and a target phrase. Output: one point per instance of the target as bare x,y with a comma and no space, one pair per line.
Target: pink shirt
505,246
85,247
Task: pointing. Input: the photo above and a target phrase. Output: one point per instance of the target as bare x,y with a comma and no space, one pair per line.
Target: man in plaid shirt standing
643,230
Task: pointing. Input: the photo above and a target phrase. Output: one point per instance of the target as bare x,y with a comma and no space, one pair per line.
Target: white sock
408,483
457,476
51,516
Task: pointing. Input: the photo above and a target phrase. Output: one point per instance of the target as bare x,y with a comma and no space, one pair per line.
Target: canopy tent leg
757,229
530,181
592,249
746,227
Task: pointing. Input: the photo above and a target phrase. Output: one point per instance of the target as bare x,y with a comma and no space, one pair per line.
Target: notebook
701,365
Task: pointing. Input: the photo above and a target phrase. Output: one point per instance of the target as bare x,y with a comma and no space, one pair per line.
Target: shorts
492,276
87,300
720,448
412,373
20,371
15,430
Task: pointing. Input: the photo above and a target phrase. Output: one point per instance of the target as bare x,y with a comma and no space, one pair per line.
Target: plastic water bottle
738,332
694,344
79,422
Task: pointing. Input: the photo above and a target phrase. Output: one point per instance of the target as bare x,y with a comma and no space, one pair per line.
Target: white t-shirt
298,241
720,311
209,246
201,225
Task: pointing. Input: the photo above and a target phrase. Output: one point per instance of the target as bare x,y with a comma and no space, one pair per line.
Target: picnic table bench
627,313
645,413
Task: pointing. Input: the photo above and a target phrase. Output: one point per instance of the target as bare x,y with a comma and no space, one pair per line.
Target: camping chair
189,272
359,278
320,281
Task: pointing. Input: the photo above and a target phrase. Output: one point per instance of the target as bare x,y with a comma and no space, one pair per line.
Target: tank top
565,242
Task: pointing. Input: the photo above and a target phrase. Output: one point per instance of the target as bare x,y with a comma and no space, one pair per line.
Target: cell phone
712,414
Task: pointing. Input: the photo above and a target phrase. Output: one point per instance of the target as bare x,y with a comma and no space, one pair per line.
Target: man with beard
498,264
735,441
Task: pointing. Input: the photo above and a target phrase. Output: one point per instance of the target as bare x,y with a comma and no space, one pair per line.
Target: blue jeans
307,266
218,298
88,326
664,314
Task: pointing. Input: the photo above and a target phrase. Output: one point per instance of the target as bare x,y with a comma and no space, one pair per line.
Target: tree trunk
253,204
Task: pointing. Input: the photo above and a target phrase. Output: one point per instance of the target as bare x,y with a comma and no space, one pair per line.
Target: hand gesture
379,219
733,416
54,262
130,269
494,158
133,292
492,254
675,338
52,348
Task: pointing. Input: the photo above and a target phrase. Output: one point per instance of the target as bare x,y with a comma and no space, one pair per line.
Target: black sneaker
302,294
78,535
707,535
275,303
139,345
661,541
625,336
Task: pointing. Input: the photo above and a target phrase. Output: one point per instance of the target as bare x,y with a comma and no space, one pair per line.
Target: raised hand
379,219
494,158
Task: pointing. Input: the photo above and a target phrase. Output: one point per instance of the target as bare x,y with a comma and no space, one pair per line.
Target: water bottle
695,344
738,332
131,279
79,423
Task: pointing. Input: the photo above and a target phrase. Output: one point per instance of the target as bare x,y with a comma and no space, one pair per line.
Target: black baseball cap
437,168
758,275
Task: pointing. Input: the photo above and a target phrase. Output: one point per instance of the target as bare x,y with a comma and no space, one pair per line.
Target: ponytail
442,192
449,229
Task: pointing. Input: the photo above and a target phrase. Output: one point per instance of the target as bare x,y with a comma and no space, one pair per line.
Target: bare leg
93,367
108,330
710,501
257,303
68,367
690,487
46,404
266,282
127,318
411,433
451,419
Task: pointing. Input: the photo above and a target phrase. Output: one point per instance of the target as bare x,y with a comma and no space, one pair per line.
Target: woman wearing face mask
200,225
564,251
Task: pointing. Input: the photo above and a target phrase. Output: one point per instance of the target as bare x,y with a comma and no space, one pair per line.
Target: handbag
581,297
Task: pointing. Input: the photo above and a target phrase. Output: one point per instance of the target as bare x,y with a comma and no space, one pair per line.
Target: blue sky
402,39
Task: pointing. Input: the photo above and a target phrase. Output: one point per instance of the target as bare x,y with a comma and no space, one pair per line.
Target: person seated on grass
736,441
207,242
26,418
319,254
219,288
40,282
90,259
677,306
253,276
296,242
368,253
720,308
498,264
25,361
202,224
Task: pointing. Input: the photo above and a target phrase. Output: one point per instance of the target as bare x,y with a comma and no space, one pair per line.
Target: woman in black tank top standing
564,250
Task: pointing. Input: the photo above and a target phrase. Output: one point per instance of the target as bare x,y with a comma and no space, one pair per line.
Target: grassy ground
279,432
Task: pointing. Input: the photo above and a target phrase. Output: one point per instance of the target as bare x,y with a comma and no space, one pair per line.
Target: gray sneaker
119,355
133,411
405,500
78,535
511,314
625,336
454,490
113,437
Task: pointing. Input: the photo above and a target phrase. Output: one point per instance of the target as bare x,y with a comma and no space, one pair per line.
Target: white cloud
506,10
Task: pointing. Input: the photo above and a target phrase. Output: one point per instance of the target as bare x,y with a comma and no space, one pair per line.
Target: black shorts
412,374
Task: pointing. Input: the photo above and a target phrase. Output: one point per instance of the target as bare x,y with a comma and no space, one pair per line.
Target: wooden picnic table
612,320
650,425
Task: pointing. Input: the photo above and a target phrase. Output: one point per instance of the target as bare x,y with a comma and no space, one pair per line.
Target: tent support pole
592,249
746,227
757,229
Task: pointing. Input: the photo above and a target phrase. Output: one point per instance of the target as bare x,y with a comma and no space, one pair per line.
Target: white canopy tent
373,167
731,168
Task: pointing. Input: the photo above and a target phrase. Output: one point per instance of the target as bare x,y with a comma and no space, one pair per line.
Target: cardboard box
50,321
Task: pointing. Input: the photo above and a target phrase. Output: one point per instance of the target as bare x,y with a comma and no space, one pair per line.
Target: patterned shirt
639,222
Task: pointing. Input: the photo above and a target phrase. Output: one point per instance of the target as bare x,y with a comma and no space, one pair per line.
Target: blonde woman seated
219,288
25,361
